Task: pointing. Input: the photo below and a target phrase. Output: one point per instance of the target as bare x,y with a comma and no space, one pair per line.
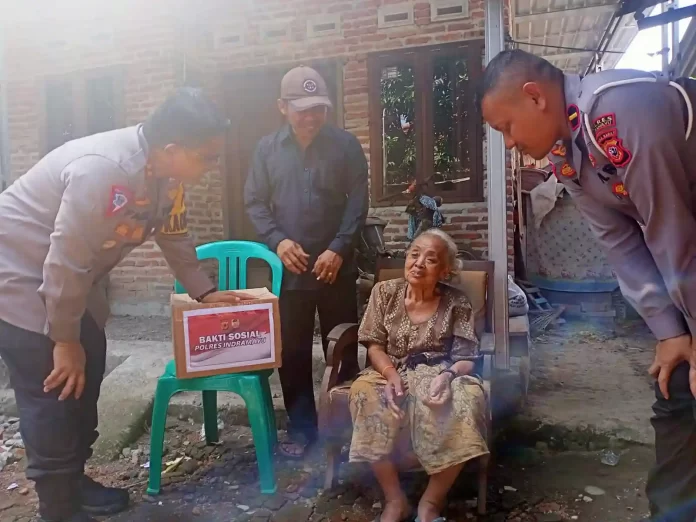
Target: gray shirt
73,217
632,173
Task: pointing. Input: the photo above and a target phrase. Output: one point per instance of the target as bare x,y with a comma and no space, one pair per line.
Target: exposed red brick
149,49
460,26
464,219
448,37
465,235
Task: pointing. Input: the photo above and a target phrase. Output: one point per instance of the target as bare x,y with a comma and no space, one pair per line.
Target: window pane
60,126
452,110
101,111
398,129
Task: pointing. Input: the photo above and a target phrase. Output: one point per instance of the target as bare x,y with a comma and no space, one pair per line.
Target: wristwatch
450,370
203,296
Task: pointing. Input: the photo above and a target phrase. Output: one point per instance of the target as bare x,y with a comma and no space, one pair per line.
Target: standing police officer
622,143
65,224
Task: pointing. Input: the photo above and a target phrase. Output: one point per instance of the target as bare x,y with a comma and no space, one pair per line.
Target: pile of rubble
12,446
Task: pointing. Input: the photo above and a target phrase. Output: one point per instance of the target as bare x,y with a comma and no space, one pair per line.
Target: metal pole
665,42
675,41
497,200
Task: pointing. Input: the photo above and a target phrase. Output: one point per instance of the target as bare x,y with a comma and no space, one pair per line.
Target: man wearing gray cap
307,196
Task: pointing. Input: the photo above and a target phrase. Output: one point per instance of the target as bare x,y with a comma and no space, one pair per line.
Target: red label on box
229,337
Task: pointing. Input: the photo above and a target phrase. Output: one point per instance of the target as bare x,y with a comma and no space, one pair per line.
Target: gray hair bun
455,264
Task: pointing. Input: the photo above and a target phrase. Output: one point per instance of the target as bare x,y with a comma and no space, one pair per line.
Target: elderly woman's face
426,262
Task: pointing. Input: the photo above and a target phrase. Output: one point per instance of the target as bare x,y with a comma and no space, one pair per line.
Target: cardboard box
212,339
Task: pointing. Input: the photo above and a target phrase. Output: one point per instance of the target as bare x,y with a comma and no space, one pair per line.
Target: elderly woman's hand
440,391
395,393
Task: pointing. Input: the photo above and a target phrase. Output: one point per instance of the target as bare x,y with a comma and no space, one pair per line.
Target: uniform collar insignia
573,117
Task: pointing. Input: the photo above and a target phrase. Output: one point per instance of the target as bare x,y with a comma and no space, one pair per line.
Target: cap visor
303,104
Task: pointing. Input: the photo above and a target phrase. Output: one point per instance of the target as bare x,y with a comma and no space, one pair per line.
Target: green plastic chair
253,387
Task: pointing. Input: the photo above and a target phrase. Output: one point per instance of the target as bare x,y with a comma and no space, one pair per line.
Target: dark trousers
671,487
336,304
58,435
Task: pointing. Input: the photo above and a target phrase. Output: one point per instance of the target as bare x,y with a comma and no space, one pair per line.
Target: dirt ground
531,479
220,484
123,328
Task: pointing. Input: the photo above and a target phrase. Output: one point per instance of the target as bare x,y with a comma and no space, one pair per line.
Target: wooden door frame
233,216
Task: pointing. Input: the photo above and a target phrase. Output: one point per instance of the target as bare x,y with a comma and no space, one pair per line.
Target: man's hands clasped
296,260
293,256
327,266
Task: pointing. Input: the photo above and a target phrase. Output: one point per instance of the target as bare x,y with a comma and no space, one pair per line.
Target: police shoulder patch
617,154
603,135
604,121
118,200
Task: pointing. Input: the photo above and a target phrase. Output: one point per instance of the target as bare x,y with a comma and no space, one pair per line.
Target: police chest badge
118,200
559,150
619,190
566,170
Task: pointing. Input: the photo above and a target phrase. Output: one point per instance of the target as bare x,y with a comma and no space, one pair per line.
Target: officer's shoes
96,499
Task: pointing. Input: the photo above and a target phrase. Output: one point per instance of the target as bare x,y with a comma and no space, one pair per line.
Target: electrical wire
516,42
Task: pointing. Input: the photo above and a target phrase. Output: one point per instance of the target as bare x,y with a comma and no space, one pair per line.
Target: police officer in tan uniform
622,143
65,224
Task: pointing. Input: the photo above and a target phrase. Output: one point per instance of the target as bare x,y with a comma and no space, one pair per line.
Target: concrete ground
584,380
591,380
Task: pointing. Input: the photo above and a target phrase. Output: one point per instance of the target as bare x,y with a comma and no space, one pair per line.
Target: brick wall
159,47
467,223
61,41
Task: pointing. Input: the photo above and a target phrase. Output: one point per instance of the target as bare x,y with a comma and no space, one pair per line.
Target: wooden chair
335,423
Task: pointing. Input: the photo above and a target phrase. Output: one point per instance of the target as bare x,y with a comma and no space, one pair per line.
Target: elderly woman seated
422,350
